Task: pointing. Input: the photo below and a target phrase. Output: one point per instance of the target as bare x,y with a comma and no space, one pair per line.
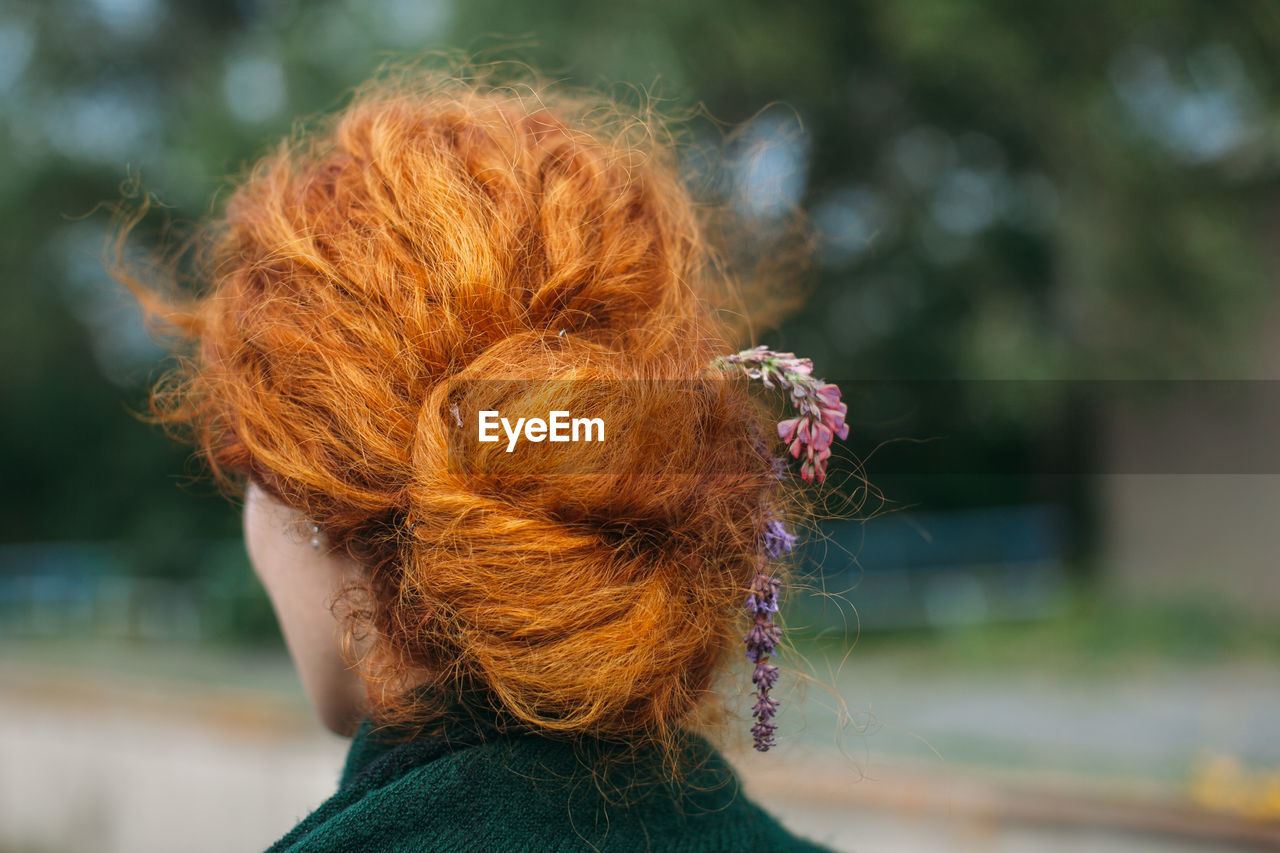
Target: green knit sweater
471,789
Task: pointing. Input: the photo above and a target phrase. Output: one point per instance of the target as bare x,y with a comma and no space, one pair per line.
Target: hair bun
588,585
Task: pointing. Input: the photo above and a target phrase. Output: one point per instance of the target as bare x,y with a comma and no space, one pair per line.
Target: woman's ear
303,579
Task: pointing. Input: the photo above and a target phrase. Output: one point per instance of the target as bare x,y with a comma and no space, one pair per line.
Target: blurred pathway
102,750
1148,726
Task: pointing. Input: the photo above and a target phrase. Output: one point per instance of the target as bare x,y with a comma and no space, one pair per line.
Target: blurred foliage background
1013,203
1000,190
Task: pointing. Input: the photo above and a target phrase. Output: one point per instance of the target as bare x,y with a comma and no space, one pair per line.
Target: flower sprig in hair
763,638
821,420
821,413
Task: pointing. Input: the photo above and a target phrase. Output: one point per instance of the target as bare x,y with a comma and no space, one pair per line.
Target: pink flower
821,420
828,395
834,420
820,436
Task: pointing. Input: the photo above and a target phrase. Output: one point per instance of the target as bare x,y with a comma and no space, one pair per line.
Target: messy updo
444,232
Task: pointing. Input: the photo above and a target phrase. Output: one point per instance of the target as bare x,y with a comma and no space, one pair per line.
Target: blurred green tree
1000,189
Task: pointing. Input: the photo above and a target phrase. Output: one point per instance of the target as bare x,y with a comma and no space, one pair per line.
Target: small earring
315,536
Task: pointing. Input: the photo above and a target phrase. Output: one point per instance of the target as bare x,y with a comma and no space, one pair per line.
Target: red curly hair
444,230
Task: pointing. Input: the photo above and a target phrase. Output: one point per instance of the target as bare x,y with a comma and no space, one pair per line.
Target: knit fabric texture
471,789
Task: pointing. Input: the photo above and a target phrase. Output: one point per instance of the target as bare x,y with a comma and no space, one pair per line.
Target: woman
522,634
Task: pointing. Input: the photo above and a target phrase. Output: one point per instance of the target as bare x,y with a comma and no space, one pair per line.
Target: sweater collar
464,721
367,746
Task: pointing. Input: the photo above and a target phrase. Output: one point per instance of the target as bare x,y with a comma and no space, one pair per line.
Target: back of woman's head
441,247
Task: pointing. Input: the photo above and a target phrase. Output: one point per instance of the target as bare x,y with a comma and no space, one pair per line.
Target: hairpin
821,419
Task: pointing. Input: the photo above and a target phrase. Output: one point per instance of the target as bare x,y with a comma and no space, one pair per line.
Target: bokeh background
1045,273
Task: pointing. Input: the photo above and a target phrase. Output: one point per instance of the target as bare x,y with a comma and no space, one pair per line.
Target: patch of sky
770,163
118,338
17,43
133,19
1200,116
409,23
254,86
110,123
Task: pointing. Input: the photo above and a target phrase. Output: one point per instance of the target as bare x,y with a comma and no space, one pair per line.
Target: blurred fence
915,569
53,589
897,570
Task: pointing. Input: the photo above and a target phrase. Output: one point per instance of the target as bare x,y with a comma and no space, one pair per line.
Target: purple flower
763,734
765,708
778,467
759,604
762,640
765,676
777,464
763,597
764,636
777,539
